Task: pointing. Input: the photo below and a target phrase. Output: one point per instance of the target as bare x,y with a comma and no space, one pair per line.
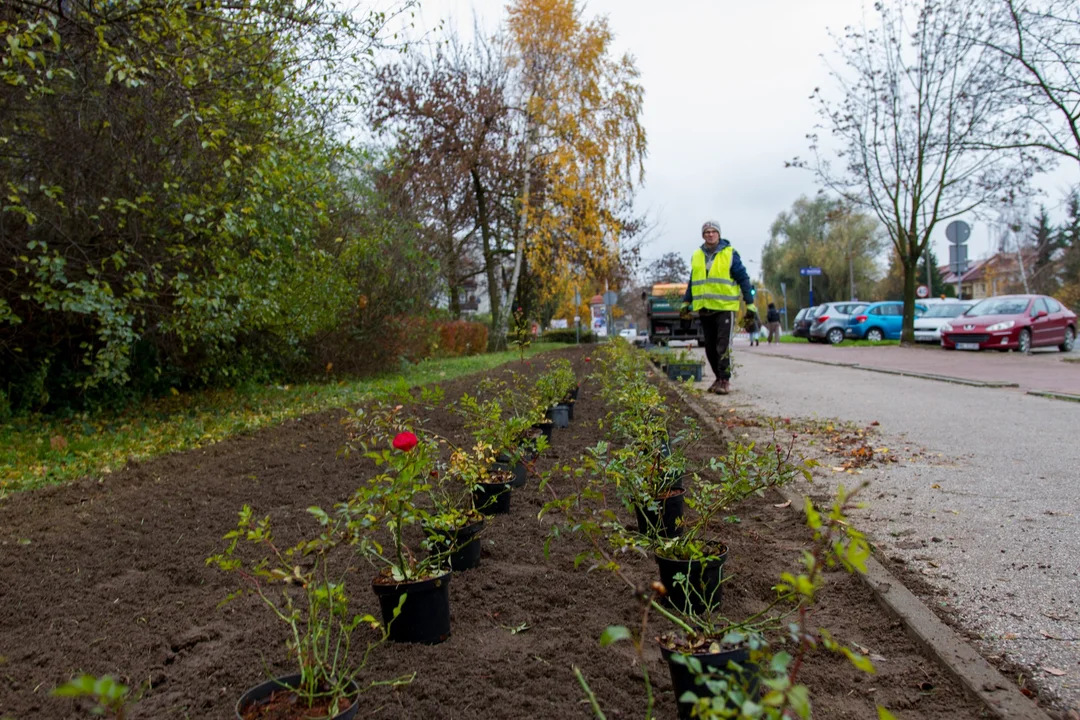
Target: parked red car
1011,322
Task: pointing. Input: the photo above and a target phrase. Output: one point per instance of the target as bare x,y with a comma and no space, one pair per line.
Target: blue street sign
809,271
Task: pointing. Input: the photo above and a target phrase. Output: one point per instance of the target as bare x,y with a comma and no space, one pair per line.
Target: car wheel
1070,340
1023,342
875,335
836,336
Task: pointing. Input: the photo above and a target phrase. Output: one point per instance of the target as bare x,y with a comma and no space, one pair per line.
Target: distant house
997,275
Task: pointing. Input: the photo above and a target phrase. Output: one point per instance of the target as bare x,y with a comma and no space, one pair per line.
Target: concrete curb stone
1053,395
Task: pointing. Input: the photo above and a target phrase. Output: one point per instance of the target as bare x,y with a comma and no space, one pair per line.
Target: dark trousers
717,328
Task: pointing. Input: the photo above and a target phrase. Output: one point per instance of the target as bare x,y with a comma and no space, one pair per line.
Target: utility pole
851,271
929,275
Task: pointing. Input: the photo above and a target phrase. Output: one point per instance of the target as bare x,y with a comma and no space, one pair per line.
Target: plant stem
589,693
663,611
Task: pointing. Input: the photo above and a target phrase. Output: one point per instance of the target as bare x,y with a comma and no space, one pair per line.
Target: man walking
717,281
772,321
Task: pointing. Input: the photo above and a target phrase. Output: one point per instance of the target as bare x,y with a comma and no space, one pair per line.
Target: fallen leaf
839,469
58,442
881,450
783,504
1054,671
935,486
875,423
1010,636
1048,636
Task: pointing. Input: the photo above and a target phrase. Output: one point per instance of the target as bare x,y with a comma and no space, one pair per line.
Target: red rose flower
405,441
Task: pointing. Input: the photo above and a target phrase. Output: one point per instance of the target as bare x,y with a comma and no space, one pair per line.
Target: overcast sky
727,86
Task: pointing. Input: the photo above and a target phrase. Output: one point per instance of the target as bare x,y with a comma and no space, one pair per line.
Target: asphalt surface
983,502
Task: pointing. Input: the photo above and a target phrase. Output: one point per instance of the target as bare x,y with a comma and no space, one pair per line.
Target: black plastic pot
519,470
574,392
682,679
261,693
663,521
559,416
545,427
569,403
704,578
463,546
493,498
425,614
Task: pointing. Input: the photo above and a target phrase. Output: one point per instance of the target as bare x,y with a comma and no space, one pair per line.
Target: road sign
922,291
809,271
958,259
958,232
611,298
783,288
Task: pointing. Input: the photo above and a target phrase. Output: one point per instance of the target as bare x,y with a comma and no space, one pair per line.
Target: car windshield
998,306
947,310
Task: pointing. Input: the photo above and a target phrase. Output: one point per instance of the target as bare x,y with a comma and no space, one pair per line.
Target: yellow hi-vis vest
714,289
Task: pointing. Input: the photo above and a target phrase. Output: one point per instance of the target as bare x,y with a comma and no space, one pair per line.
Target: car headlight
946,328
1001,326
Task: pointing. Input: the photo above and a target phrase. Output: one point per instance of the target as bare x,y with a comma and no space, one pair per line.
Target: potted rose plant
412,586
304,590
458,503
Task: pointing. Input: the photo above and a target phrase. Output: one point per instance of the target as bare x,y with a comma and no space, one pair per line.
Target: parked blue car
879,321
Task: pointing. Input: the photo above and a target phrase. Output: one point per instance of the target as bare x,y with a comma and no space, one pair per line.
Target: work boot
715,387
724,388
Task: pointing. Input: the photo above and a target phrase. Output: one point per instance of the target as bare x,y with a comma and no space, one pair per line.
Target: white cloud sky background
727,86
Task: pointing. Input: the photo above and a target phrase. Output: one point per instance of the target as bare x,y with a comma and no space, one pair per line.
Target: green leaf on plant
860,661
613,634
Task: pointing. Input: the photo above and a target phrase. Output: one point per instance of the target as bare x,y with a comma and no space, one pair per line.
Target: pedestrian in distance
772,322
718,281
753,326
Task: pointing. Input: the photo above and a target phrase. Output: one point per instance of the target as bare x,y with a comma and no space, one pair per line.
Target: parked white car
928,325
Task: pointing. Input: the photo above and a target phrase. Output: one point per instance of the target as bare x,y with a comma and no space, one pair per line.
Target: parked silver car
827,322
928,325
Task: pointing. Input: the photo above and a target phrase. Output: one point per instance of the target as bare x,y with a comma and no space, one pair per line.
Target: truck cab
662,303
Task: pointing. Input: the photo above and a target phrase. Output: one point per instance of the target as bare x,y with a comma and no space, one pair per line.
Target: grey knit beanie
710,225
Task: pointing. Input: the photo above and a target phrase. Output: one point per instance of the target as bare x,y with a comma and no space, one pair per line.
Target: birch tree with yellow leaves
582,148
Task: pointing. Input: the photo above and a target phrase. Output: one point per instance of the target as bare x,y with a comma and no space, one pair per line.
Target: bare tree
1039,41
456,133
917,109
670,268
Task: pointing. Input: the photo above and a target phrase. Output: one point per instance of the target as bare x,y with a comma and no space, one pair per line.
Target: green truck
662,303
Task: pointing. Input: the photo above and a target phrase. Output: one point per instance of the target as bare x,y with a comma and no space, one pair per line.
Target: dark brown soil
110,577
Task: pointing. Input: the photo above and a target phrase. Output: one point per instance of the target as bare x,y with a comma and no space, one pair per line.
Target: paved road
1043,369
984,502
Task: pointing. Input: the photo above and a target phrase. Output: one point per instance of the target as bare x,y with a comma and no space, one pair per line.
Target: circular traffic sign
922,291
958,232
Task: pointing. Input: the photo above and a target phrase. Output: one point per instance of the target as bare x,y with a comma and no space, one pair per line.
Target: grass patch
791,339
40,451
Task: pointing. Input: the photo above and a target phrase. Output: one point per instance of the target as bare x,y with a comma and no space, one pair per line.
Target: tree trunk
911,266
491,263
502,319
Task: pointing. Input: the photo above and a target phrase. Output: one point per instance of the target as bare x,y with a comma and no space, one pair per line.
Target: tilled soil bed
109,577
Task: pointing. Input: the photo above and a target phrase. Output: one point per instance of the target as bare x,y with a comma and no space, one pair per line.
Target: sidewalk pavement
1042,370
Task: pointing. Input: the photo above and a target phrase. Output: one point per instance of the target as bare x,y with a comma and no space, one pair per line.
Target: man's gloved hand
684,311
751,308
